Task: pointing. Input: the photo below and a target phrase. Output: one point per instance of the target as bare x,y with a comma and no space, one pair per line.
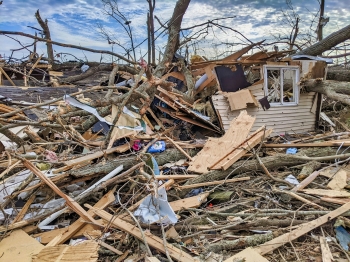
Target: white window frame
295,84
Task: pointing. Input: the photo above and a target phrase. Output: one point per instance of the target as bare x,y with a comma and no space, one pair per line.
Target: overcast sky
76,22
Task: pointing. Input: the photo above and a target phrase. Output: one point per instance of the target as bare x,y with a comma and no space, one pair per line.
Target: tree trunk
338,74
173,38
327,43
47,34
332,89
270,162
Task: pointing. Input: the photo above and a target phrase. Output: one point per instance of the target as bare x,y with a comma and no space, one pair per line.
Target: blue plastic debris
291,151
157,147
343,237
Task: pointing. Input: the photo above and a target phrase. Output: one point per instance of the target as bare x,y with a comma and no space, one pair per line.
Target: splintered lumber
93,156
24,209
105,201
189,202
7,77
34,65
253,139
306,181
338,181
233,180
69,201
180,149
19,246
301,230
152,240
327,193
152,259
326,252
247,255
86,251
217,148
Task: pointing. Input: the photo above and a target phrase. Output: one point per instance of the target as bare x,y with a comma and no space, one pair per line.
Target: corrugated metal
282,119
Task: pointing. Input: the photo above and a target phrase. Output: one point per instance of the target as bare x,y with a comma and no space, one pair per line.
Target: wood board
19,247
217,148
86,251
253,139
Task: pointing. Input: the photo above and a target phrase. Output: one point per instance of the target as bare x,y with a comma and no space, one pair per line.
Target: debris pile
219,162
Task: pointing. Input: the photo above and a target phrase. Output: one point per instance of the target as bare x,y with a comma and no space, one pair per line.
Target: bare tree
111,8
47,35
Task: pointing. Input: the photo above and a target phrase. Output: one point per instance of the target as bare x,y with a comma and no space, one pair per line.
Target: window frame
295,84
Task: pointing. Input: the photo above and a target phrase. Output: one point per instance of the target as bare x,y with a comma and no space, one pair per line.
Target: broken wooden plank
34,65
85,251
253,140
247,255
301,230
24,209
105,201
93,156
327,193
152,240
233,180
306,181
338,181
326,252
179,148
69,201
189,202
7,77
217,148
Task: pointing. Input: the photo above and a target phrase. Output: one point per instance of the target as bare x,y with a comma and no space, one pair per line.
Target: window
281,85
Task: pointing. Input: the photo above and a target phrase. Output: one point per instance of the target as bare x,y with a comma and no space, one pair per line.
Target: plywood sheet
217,148
19,247
86,251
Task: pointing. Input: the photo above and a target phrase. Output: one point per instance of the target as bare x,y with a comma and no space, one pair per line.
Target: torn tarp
147,211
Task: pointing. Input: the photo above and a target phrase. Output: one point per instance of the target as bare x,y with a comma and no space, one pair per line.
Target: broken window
281,85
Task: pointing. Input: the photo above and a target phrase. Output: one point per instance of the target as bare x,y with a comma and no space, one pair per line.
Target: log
327,43
335,90
252,165
167,156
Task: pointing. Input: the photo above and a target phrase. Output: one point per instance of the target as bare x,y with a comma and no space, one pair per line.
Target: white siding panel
282,119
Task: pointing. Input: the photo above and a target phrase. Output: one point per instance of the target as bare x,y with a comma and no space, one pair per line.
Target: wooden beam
189,202
8,78
24,209
93,156
35,64
179,148
105,201
69,201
